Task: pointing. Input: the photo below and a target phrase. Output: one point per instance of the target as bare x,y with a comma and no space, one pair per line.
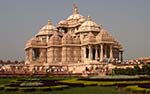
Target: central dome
75,19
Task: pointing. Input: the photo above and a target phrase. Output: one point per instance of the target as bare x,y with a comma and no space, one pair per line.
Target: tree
129,71
146,69
137,70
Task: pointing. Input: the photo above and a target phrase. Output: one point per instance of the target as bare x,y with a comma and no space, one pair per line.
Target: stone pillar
30,54
111,53
47,38
101,54
96,53
84,52
105,49
90,52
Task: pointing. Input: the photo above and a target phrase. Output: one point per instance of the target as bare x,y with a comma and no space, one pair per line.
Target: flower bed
31,84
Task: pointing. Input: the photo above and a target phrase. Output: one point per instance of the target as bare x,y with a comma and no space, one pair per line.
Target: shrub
11,89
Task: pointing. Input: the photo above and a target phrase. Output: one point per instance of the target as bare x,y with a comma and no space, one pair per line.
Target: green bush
27,89
11,89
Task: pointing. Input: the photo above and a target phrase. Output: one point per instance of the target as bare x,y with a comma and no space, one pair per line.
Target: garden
76,85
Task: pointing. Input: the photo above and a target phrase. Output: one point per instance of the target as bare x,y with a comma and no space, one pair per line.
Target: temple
75,45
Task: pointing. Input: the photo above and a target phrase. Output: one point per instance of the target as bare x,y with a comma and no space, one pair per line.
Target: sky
127,20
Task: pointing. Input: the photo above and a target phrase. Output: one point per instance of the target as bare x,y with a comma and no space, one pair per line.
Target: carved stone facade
76,43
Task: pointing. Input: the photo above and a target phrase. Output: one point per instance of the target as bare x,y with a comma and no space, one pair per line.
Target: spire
49,22
89,18
75,9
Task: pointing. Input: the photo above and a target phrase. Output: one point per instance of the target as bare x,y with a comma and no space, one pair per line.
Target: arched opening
35,53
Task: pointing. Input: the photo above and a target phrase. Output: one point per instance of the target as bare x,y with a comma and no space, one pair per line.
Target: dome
89,25
90,38
48,29
62,22
55,39
75,18
104,36
67,39
117,44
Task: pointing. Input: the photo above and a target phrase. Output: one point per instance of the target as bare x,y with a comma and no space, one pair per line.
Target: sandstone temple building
75,44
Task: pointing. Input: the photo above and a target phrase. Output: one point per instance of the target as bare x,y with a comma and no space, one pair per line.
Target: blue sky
127,20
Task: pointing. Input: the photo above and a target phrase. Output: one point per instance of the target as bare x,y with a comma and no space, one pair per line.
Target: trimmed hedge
45,89
27,89
11,88
59,87
106,84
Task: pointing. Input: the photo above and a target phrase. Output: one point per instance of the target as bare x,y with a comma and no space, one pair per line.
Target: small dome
67,39
90,38
62,23
104,36
89,25
55,39
117,44
48,29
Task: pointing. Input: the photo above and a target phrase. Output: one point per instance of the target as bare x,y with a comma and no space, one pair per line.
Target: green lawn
78,90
